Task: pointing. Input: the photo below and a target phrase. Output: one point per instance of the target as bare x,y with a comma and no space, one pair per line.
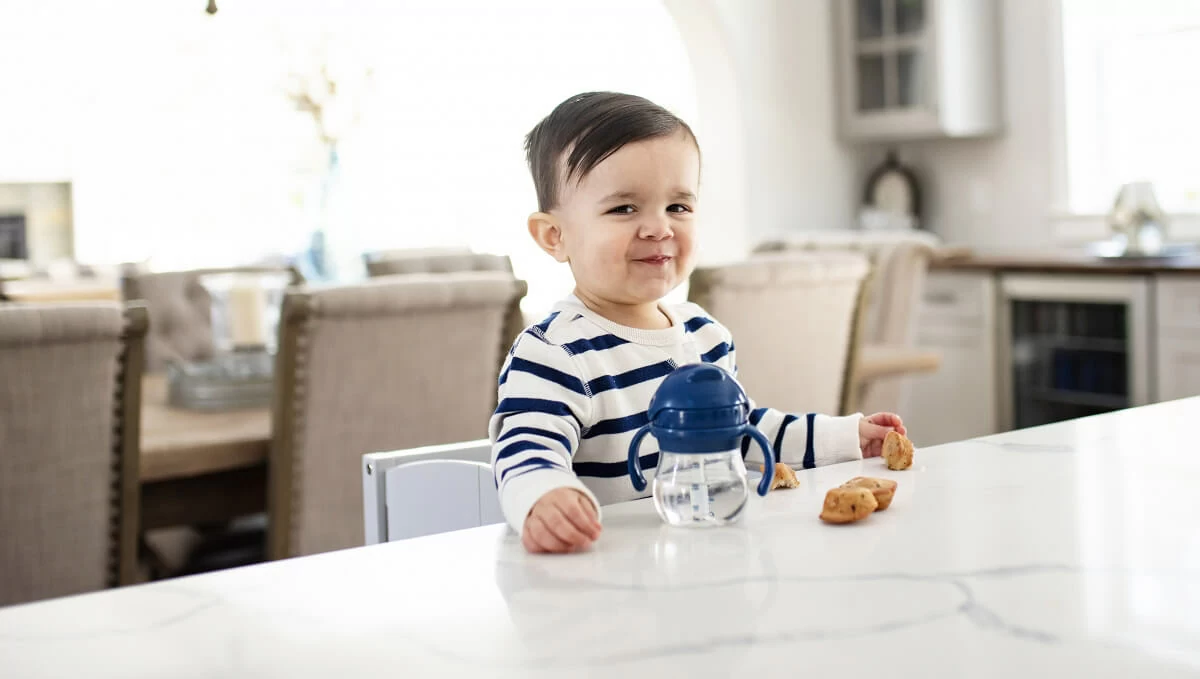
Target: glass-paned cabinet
911,69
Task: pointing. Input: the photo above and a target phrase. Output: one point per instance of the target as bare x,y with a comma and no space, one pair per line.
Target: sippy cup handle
635,469
768,458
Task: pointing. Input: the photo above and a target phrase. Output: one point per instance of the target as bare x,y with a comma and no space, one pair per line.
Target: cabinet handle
942,297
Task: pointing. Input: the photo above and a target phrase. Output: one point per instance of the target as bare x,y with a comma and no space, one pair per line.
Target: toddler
618,182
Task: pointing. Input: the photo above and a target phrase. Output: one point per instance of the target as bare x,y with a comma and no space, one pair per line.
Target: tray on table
234,381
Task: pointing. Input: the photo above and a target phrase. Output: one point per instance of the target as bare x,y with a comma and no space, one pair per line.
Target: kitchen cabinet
1177,325
957,319
1178,367
917,69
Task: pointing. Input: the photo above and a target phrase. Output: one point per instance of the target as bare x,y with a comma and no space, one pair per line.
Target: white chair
428,490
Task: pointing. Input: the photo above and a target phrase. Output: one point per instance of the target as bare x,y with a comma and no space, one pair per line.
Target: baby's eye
678,208
622,210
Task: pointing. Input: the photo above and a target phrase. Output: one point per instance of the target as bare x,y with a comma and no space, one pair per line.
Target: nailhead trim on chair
298,403
118,450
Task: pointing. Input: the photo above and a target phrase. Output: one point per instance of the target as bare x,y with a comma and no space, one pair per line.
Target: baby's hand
563,520
873,428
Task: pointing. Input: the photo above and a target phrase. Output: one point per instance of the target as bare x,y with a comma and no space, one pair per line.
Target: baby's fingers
874,448
583,515
873,432
890,420
530,544
564,528
543,538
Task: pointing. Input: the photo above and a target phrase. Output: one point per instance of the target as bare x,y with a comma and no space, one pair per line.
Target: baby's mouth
656,259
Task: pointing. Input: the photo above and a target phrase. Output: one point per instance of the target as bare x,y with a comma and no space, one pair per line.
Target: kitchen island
1060,551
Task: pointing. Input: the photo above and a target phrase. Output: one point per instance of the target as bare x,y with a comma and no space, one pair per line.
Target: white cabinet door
1177,336
958,321
1178,365
959,400
1177,305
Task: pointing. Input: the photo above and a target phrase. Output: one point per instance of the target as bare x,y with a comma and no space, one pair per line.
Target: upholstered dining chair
70,397
451,260
180,311
393,363
795,320
889,356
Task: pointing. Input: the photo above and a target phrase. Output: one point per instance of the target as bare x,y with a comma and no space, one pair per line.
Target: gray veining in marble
1067,550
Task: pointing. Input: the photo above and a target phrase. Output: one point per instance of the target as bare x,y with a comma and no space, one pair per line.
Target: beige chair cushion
792,316
60,367
398,362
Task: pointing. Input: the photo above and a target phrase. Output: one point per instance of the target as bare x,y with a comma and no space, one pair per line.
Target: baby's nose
656,228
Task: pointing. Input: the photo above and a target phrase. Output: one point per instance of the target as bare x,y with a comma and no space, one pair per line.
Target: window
1132,97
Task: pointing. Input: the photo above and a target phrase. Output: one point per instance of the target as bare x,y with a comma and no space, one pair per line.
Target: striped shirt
575,389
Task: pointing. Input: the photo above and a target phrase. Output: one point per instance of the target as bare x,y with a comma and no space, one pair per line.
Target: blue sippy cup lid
699,409
698,399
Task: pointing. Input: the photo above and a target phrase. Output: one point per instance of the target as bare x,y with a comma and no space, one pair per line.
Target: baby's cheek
613,262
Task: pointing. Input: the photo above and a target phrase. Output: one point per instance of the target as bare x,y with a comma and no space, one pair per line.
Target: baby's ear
547,233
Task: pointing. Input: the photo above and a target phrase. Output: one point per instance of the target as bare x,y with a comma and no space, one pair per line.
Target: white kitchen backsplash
1073,229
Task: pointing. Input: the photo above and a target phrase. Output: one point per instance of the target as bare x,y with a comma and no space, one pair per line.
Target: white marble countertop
1065,551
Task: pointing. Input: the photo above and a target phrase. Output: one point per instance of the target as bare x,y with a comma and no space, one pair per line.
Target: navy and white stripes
575,389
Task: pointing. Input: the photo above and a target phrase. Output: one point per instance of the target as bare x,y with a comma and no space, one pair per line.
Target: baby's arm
799,441
536,427
805,441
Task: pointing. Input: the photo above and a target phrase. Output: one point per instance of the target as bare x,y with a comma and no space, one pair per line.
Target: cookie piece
785,477
883,489
897,451
846,505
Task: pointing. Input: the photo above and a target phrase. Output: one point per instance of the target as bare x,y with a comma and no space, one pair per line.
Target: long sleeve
804,441
542,410
799,441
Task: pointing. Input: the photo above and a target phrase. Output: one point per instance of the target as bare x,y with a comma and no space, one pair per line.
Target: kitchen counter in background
1027,337
1067,261
1067,550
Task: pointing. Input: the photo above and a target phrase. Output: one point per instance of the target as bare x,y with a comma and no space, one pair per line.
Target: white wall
1000,192
718,126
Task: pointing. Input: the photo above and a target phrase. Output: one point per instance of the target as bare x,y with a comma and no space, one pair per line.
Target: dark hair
592,126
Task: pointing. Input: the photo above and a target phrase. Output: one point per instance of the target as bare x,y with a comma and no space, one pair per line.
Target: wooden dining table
200,467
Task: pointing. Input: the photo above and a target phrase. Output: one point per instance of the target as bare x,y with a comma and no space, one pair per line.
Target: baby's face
627,226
